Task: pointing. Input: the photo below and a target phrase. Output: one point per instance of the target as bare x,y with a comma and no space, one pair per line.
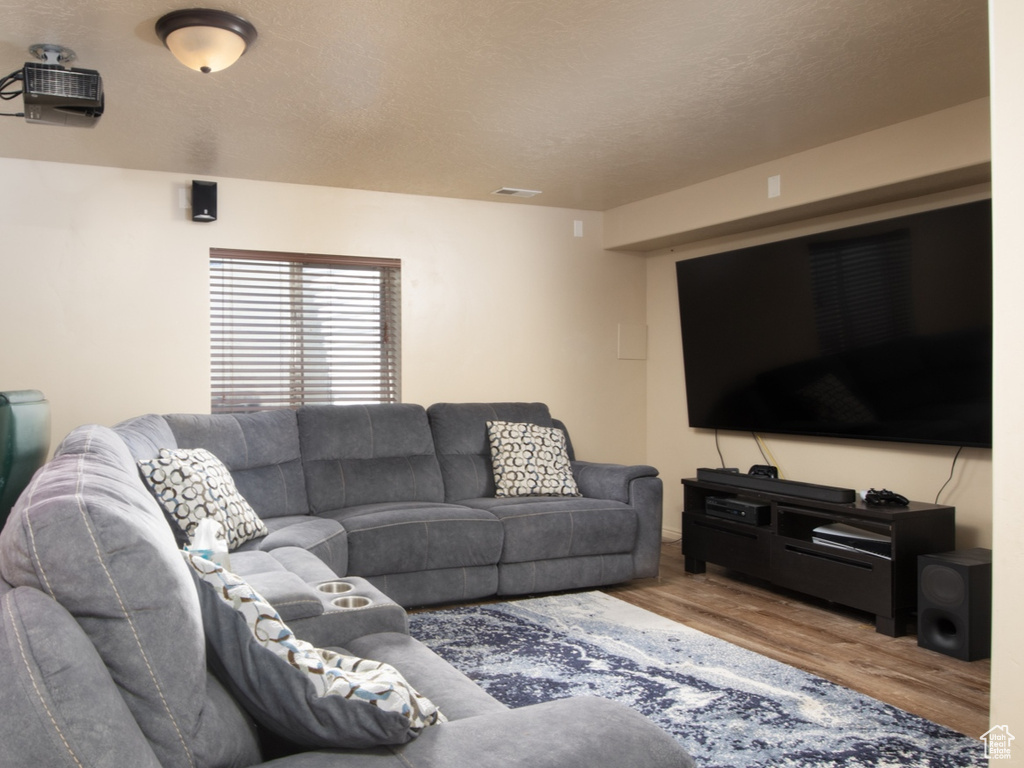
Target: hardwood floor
827,640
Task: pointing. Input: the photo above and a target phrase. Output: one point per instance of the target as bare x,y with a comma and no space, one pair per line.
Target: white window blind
288,329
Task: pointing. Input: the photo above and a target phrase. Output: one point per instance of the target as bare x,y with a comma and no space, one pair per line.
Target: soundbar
826,493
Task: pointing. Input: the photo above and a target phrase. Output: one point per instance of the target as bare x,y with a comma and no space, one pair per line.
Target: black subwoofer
954,603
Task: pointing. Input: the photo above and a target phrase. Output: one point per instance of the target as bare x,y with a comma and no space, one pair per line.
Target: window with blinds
288,329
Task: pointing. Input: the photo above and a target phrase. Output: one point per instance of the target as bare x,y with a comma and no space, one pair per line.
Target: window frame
269,366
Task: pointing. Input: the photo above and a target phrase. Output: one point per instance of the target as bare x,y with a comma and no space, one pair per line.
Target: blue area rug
728,706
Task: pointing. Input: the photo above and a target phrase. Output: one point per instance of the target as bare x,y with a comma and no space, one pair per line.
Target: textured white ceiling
596,102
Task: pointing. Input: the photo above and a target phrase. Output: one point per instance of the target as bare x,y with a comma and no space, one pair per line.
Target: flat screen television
881,331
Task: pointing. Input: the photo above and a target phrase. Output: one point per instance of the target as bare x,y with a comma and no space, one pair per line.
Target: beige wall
1006,25
104,294
942,151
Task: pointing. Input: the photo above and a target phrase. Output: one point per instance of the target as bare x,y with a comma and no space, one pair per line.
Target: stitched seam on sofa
423,522
369,420
142,651
344,485
124,610
412,472
426,548
571,512
324,540
400,757
245,442
476,472
32,541
16,628
284,486
36,562
572,531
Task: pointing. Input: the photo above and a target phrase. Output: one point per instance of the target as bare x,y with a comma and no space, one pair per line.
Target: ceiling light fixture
205,40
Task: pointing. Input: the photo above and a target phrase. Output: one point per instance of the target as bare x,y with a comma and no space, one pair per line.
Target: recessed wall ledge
943,151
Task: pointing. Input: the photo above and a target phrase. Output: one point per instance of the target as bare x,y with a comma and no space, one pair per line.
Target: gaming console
740,510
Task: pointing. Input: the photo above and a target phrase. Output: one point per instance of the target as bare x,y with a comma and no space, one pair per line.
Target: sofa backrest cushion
261,450
88,533
146,435
58,705
363,454
463,447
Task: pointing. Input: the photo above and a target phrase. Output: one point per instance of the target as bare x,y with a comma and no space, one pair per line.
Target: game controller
884,497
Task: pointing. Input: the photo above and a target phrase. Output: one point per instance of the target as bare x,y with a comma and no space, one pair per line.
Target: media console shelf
784,550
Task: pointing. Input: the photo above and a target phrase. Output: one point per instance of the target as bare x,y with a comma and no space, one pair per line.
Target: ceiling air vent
513,192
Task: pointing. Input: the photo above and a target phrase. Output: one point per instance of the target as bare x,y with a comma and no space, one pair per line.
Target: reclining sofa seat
103,655
404,497
552,543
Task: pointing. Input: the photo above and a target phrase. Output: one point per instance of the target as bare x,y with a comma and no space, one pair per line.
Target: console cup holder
335,587
351,601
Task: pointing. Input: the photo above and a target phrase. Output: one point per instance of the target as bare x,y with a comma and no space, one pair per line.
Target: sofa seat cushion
418,536
365,454
322,536
564,573
301,562
540,528
451,690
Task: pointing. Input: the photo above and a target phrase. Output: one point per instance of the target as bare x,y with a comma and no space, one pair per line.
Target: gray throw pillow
310,696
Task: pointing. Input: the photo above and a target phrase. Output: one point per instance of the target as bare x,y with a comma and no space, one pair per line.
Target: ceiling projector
58,96
53,93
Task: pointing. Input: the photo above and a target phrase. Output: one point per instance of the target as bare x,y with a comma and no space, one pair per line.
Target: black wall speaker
204,200
954,603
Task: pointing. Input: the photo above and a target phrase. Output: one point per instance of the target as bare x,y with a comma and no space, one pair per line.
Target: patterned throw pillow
529,460
191,484
312,696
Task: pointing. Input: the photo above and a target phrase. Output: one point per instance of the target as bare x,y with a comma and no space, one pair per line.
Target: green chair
24,443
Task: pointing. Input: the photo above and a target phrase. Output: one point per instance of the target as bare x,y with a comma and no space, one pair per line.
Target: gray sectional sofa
113,653
405,497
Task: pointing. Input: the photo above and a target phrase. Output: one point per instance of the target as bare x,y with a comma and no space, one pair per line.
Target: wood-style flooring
824,639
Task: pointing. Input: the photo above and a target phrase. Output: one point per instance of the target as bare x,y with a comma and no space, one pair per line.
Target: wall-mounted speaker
954,603
204,200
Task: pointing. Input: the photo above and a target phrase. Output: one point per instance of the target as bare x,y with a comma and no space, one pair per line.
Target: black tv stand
784,550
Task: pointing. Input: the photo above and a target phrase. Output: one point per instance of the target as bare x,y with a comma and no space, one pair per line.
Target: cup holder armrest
352,607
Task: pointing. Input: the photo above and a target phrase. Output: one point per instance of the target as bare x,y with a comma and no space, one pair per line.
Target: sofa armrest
639,486
359,611
608,481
